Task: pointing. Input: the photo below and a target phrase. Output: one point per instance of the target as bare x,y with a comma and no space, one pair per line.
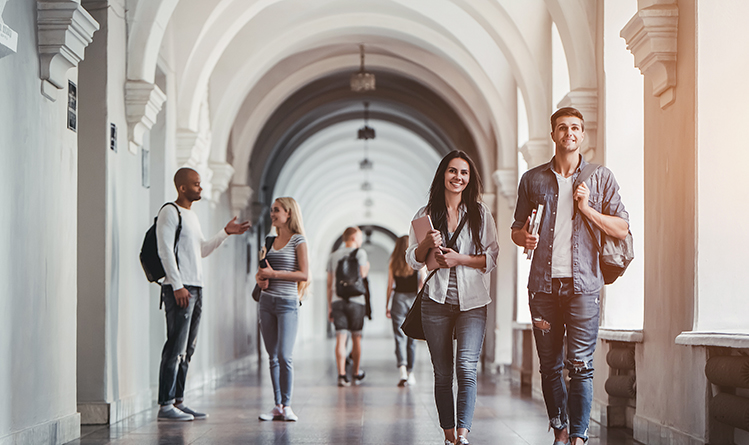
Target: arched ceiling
274,76
323,174
328,101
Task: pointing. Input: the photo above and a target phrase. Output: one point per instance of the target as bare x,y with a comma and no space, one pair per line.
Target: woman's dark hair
471,198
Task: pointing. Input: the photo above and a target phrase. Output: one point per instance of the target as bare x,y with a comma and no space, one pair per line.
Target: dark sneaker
172,414
194,414
343,381
359,377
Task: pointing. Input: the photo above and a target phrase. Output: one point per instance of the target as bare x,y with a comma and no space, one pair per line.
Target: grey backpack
614,255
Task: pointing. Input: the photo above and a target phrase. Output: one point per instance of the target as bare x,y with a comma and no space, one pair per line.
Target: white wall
623,121
37,248
722,95
122,329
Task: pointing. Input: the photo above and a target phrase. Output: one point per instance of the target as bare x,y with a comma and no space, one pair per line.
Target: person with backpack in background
403,283
565,279
347,268
456,295
182,289
282,276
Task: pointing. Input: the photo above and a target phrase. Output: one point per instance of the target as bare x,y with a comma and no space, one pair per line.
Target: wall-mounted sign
72,106
145,168
113,137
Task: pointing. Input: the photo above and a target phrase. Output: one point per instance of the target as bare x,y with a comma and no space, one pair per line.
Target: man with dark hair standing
181,291
565,278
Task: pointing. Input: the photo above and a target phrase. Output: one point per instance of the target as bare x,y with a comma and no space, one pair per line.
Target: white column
623,153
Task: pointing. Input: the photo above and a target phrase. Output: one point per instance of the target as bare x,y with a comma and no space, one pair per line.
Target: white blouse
473,284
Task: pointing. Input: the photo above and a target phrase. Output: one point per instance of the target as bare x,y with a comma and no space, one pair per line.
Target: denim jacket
539,186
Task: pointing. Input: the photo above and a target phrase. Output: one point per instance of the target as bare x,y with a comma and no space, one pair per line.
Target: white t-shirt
561,252
191,247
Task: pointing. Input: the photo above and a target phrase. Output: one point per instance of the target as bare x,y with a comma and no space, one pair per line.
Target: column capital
651,37
189,146
65,29
240,197
143,102
585,100
537,151
222,174
506,180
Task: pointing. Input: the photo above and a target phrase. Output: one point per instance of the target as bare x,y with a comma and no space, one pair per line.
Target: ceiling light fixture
362,81
366,132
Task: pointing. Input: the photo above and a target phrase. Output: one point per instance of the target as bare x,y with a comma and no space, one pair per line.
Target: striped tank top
284,259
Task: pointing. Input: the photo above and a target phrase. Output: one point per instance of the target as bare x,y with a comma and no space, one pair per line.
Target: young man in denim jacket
565,278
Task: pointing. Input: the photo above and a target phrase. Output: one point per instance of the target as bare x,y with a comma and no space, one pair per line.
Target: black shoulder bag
614,255
268,244
412,326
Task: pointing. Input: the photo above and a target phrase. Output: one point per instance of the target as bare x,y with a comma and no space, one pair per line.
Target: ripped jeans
578,314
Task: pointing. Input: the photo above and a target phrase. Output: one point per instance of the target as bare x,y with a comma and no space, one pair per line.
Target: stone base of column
56,432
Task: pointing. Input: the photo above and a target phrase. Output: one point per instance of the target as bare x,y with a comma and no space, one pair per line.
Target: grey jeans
405,347
181,337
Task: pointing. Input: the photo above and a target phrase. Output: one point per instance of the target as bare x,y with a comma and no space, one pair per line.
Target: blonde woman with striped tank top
283,282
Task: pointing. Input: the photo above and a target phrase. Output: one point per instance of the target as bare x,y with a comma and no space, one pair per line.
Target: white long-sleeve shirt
473,284
191,247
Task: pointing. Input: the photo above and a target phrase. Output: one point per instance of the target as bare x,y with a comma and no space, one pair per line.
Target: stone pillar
93,261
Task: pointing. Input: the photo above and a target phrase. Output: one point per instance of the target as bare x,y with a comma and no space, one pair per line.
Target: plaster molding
586,101
222,174
143,102
651,37
240,195
65,29
189,144
506,180
536,152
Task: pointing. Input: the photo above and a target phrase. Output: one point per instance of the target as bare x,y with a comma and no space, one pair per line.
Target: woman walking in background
403,283
284,281
456,297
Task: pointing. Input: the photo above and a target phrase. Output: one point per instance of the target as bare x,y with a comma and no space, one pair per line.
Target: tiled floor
376,412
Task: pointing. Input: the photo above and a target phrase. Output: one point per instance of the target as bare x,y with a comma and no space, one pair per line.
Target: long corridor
375,412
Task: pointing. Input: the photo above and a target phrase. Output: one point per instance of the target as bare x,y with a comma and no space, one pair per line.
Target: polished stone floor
375,412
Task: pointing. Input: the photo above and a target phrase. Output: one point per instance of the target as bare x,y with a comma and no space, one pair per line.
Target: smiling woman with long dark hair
456,297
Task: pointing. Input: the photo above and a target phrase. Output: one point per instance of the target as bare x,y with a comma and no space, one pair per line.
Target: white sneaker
171,414
275,414
411,380
404,376
462,441
288,414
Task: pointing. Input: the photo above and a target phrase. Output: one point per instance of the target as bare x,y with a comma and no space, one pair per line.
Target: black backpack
348,280
149,251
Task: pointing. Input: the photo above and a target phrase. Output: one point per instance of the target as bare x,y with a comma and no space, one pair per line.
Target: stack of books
533,227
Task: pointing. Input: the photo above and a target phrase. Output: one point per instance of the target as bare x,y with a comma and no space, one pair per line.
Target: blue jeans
278,324
181,336
405,347
439,322
578,314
